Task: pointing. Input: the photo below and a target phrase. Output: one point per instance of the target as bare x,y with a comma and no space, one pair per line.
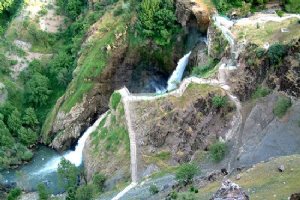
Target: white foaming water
75,157
176,76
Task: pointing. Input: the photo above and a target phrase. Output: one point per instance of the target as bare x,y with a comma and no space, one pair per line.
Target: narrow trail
127,97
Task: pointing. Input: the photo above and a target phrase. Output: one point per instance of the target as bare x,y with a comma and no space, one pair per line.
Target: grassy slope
92,61
269,32
94,58
264,181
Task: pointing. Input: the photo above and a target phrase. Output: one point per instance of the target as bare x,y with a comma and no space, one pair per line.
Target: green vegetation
85,192
8,8
276,53
14,194
43,193
115,100
218,151
157,21
282,105
219,101
186,172
280,13
225,6
153,189
261,92
67,173
99,180
70,8
205,71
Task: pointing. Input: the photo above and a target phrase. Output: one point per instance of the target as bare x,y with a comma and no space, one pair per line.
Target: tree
68,174
38,90
276,53
14,194
186,172
14,122
99,180
30,118
5,5
27,136
157,20
43,193
5,137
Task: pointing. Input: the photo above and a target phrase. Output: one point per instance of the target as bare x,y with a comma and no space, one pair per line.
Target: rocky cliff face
255,69
194,13
170,130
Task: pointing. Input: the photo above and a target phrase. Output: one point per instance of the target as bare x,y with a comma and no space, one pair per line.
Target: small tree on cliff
68,174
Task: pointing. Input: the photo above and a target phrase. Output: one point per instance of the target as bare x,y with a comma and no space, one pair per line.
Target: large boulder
230,191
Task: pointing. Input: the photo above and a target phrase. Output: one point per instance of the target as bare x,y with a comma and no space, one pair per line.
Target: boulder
230,191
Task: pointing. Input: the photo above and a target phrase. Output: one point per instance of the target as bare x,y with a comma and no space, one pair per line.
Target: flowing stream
44,165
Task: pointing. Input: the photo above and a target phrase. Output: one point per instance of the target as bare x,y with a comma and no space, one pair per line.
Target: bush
14,194
218,151
115,100
67,174
219,101
85,192
280,13
282,105
153,189
186,172
201,71
99,180
276,53
292,6
42,190
261,92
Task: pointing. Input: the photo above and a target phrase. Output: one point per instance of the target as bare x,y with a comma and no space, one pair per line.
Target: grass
264,181
160,159
282,105
269,32
207,70
93,60
115,100
219,101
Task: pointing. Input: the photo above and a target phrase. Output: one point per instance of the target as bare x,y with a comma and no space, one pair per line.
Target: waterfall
75,157
176,76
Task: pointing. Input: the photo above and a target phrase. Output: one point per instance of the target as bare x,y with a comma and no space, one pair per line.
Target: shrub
260,52
203,70
14,194
67,174
218,151
219,101
186,172
99,180
261,92
282,105
42,190
280,13
292,6
153,189
115,100
276,53
85,192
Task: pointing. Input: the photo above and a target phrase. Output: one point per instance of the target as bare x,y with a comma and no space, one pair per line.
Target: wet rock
281,168
230,191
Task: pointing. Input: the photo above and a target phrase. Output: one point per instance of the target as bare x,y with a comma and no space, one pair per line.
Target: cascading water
176,76
75,157
45,163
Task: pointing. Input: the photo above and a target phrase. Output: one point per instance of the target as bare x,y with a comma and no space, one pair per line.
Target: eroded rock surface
230,191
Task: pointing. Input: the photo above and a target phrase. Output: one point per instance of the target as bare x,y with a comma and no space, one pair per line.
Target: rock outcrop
230,191
193,13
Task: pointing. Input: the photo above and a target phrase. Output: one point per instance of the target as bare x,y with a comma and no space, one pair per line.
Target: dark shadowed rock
295,196
281,168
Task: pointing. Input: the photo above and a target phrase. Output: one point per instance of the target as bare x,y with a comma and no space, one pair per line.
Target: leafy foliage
261,92
282,105
218,151
71,8
219,101
43,193
157,20
153,189
276,53
14,194
68,174
200,71
85,192
99,180
186,172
